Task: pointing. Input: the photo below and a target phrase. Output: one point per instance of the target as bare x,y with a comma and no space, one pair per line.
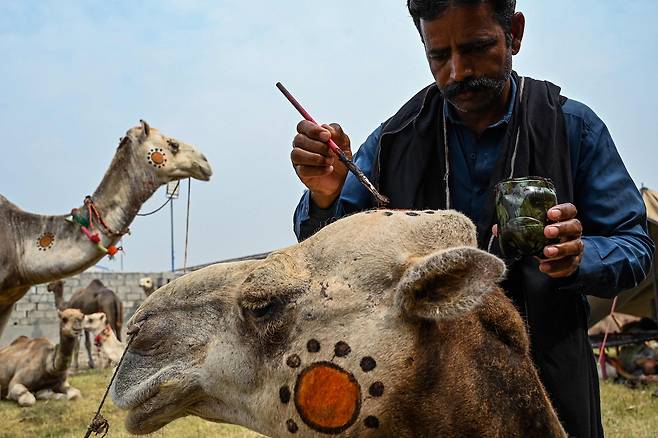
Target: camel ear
146,129
448,283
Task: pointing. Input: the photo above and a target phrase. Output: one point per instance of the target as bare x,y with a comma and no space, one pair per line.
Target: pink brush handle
332,145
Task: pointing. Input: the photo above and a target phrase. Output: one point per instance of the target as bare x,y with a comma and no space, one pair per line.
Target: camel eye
175,147
65,320
264,311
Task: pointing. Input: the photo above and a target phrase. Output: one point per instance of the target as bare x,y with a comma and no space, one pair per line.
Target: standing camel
92,299
38,248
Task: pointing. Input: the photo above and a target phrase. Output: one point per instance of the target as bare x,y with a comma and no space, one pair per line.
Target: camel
32,369
147,285
104,336
384,323
37,249
94,298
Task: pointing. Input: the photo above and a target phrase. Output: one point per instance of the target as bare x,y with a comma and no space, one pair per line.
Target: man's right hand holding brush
316,165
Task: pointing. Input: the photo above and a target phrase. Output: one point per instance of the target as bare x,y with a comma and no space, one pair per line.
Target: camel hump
19,340
96,284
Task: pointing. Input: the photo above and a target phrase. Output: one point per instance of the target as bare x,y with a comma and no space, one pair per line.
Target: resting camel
91,299
104,337
30,366
384,323
37,249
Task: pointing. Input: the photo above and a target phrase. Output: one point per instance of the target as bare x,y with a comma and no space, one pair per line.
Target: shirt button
472,156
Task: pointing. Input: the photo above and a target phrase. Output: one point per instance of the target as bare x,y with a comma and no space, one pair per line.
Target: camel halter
87,226
99,424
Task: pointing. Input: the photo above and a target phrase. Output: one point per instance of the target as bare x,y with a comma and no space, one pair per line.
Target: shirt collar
451,115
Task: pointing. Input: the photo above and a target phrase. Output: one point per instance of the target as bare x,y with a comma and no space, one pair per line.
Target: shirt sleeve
618,250
309,218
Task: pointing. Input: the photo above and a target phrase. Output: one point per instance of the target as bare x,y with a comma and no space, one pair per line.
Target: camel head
320,337
55,286
147,285
70,322
94,322
168,158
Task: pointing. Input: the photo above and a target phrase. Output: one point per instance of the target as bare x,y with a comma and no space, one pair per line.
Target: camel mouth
202,171
129,397
152,400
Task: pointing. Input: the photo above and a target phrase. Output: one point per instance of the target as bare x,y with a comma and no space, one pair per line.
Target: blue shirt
618,251
472,158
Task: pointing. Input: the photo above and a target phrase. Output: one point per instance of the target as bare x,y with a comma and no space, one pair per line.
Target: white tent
641,300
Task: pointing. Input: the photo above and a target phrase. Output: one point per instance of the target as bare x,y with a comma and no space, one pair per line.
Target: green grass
68,419
626,413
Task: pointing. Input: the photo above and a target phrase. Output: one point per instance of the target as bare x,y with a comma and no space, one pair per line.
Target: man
450,144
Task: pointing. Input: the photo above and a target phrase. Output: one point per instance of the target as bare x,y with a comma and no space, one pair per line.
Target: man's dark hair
431,9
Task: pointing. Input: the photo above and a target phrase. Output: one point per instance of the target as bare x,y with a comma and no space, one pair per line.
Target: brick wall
35,314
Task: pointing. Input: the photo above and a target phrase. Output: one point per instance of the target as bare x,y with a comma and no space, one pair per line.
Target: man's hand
563,258
316,165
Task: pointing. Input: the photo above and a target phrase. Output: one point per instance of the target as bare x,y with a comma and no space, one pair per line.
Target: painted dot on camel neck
327,396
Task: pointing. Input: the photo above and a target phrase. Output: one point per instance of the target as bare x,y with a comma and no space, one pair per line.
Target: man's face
468,56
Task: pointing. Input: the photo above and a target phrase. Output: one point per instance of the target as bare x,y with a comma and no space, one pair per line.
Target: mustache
483,83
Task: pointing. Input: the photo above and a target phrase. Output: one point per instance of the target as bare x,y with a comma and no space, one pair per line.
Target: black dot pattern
411,213
371,422
293,361
368,364
388,213
376,389
284,394
341,349
292,426
313,346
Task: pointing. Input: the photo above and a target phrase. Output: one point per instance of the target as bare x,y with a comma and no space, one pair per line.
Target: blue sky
77,74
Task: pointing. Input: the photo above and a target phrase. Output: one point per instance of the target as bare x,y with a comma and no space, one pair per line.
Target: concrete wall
35,314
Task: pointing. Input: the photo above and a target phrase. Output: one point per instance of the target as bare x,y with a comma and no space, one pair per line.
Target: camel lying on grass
32,369
384,323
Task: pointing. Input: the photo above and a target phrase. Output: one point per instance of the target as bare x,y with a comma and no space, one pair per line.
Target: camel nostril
204,158
135,327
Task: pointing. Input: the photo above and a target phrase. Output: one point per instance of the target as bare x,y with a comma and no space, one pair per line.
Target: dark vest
411,150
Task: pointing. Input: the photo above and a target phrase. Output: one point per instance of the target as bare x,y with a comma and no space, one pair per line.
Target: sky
76,75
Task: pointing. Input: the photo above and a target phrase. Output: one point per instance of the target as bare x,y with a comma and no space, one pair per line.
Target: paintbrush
381,199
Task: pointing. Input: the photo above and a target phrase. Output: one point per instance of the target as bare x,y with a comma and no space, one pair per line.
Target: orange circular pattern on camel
45,241
157,157
327,397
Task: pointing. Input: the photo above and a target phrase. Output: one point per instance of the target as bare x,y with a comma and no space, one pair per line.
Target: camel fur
37,249
32,369
104,336
91,299
384,323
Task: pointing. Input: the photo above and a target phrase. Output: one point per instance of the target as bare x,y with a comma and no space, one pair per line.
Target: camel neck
127,184
63,353
59,299
124,188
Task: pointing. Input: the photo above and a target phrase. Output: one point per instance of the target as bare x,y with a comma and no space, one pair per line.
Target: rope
99,424
604,374
163,205
187,223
